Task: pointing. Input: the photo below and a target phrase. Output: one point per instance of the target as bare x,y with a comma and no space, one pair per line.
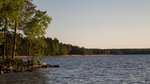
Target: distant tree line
118,51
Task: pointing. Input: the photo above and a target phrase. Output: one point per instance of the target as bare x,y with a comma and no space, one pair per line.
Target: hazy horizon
99,23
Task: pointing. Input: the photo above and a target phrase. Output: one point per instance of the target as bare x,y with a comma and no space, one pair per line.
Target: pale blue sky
99,23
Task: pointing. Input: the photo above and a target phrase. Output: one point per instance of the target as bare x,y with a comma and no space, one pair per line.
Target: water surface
123,69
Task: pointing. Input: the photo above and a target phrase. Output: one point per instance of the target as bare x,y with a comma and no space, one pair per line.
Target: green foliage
1,38
23,15
37,25
12,62
42,47
38,46
75,50
31,63
11,10
17,62
1,4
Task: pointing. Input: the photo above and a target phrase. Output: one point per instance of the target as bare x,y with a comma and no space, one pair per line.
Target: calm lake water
124,69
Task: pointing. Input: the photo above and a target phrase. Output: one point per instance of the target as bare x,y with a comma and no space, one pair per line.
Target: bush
11,62
17,62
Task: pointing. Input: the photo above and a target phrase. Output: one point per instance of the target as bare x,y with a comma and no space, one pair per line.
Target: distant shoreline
62,56
76,55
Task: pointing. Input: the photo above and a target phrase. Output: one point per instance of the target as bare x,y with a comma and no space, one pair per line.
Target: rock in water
55,66
43,64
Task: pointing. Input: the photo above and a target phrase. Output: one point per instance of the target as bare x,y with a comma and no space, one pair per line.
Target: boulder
54,65
1,72
44,64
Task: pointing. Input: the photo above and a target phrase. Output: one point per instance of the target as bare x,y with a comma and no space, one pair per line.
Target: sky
99,23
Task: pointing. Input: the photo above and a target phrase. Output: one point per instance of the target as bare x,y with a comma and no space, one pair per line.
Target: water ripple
125,69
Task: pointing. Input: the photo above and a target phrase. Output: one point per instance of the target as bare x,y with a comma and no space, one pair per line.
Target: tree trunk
5,38
4,47
30,47
27,48
15,39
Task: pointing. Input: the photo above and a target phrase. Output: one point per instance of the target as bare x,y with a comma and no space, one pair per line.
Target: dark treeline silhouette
118,51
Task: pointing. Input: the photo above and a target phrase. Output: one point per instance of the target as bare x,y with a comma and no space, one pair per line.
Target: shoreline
64,56
75,55
61,56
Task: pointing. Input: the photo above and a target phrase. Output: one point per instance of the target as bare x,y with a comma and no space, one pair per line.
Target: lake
119,69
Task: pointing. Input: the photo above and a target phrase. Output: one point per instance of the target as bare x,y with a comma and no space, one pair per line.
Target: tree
10,15
3,23
18,6
63,49
35,28
8,11
1,38
21,14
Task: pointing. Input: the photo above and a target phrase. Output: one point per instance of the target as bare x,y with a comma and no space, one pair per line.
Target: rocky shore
18,65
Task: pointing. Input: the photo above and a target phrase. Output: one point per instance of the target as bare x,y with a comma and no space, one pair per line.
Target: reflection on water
36,77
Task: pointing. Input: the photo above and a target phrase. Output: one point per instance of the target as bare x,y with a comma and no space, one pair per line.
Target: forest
40,47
